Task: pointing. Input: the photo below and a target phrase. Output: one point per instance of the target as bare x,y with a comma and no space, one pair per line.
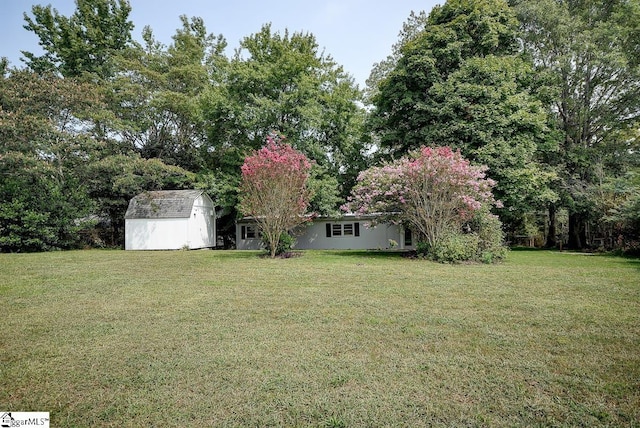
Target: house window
248,232
347,229
343,229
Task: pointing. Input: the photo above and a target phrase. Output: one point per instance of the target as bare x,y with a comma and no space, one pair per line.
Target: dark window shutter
356,229
243,232
328,228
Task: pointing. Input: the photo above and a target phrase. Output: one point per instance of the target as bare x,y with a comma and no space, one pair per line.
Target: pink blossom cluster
275,161
274,189
431,189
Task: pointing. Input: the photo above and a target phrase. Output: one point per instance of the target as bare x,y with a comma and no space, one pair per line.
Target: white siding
313,236
202,225
156,234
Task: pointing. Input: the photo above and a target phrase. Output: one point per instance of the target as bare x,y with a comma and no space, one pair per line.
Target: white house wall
381,237
313,236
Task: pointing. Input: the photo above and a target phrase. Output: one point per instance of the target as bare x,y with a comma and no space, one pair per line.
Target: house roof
163,204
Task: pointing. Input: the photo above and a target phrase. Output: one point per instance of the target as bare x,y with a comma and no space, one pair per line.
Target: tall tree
155,93
411,28
460,82
82,43
590,52
284,82
42,153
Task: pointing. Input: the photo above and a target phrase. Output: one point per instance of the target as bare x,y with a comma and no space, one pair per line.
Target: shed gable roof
162,204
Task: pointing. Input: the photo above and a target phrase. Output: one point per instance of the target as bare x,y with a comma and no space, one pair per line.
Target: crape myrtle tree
432,191
273,189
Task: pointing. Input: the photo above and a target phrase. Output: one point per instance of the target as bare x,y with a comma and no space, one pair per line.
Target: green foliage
459,82
485,109
455,248
283,82
284,245
82,43
491,241
155,94
587,53
43,194
480,240
324,189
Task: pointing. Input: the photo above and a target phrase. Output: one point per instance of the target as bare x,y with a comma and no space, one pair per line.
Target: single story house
170,220
349,232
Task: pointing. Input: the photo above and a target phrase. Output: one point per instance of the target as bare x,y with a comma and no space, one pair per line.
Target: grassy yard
330,339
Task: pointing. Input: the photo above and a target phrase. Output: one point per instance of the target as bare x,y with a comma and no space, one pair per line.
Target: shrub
491,244
285,243
482,240
455,248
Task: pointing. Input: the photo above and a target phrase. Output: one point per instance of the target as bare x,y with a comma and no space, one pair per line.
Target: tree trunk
577,233
552,231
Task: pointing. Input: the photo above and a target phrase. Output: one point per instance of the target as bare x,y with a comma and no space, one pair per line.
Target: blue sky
356,33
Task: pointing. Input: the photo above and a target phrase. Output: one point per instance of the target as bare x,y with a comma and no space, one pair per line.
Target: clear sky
356,33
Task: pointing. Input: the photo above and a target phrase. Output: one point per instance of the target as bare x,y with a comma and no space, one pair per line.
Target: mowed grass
329,339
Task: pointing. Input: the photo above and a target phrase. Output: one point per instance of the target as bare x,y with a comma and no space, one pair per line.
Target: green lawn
329,339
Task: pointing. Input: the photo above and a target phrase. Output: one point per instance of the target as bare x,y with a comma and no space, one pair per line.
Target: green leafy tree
460,82
455,32
589,52
411,28
84,42
155,94
43,148
485,109
283,82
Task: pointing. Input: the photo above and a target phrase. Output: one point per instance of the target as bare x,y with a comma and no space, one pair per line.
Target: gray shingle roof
162,204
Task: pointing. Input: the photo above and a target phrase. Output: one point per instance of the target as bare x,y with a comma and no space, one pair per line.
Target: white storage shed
170,220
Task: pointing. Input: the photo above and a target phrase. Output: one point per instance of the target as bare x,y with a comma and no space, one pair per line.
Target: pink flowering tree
433,191
274,189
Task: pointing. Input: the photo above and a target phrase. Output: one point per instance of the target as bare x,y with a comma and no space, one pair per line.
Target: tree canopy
460,82
84,42
588,54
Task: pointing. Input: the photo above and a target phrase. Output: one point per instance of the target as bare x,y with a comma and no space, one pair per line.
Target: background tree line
544,94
